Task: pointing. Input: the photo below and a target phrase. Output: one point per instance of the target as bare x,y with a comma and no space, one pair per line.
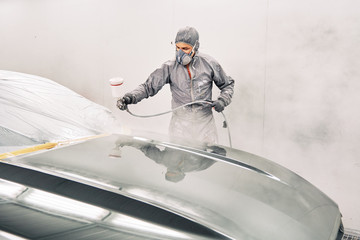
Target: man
191,76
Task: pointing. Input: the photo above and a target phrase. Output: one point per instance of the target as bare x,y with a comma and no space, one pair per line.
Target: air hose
225,123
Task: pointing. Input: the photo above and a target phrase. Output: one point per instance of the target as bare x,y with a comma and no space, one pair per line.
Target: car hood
237,194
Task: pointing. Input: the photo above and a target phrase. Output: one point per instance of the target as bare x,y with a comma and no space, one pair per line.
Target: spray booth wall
296,65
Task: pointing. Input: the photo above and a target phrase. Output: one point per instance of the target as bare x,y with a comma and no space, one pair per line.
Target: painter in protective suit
191,76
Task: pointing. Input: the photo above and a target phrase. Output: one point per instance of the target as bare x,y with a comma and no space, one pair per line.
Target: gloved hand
219,105
124,101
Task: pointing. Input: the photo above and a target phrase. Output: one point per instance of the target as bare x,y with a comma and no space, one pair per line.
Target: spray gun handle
121,104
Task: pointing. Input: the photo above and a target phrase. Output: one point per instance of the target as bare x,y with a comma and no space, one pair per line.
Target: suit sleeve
224,83
153,84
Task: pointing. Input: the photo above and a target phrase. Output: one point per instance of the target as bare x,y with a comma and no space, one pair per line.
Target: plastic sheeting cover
35,110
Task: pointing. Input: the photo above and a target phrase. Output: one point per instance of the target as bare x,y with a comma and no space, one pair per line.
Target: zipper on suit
191,82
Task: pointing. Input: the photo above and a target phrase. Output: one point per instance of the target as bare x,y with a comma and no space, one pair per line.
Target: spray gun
116,83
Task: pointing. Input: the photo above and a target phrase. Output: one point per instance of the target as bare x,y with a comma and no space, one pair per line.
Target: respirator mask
185,58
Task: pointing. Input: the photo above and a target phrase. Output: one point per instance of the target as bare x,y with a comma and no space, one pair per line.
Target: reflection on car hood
237,194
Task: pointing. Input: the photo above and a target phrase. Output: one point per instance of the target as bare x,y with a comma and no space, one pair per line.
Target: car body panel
231,192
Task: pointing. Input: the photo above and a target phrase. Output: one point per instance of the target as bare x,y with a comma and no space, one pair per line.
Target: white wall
296,66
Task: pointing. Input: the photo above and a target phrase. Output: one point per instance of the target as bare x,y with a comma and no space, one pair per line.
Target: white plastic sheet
36,110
